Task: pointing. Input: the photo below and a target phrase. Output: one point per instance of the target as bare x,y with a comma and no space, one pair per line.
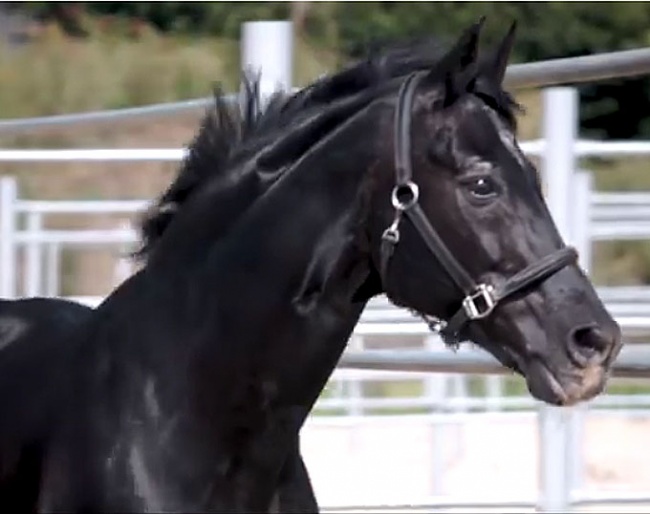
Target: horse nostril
589,344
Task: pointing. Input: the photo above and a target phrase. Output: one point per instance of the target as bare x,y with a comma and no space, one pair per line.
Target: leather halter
480,298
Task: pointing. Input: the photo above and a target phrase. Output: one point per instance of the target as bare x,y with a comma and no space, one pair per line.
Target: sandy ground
407,459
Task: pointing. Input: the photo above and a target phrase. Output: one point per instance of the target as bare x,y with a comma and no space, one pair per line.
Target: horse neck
284,281
248,326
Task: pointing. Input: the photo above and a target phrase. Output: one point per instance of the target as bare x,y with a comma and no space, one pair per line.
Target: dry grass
57,75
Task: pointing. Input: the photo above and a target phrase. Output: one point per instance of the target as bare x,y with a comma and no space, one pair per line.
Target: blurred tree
614,109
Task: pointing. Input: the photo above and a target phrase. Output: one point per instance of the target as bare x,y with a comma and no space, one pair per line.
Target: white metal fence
596,216
600,216
582,216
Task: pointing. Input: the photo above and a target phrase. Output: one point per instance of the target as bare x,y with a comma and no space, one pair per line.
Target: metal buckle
391,235
410,188
483,292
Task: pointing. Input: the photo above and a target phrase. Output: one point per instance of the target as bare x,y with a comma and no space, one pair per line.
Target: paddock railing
581,215
596,216
602,216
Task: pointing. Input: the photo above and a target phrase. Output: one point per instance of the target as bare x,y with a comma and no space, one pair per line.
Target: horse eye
482,187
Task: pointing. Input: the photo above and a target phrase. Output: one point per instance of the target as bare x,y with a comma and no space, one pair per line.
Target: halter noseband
480,299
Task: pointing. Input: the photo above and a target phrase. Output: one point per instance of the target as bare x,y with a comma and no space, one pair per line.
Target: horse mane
384,61
222,128
230,133
320,108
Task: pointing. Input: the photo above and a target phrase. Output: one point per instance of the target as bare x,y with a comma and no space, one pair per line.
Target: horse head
461,233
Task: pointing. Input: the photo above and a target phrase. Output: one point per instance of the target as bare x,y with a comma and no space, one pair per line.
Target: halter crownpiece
480,299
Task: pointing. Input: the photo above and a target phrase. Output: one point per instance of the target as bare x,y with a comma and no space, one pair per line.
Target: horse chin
567,388
543,385
547,387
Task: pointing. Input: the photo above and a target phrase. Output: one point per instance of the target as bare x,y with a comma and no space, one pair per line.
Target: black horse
188,386
29,325
27,328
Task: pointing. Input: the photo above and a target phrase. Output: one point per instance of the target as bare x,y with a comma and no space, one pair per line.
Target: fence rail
631,363
553,72
574,70
537,147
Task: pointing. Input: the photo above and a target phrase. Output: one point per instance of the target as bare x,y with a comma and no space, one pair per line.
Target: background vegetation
81,56
548,30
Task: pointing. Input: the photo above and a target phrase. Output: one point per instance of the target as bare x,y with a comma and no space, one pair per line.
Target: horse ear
496,65
458,68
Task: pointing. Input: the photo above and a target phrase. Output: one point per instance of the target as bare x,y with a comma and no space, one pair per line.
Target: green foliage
221,19
547,30
616,109
216,18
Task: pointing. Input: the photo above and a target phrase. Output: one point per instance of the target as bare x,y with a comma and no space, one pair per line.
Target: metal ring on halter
412,189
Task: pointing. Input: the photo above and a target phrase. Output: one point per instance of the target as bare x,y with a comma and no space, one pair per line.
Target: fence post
581,222
354,385
493,393
52,270
436,387
34,257
581,236
560,133
267,49
8,228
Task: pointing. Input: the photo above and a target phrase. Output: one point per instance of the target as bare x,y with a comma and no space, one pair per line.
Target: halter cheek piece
480,299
